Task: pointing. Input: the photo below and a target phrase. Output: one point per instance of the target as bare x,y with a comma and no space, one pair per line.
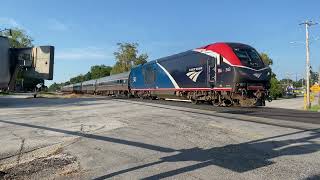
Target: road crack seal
20,152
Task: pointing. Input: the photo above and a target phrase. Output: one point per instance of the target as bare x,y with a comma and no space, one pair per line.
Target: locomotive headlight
268,74
241,84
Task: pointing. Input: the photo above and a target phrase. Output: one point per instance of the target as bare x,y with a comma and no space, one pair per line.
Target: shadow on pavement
236,157
240,157
8,102
96,137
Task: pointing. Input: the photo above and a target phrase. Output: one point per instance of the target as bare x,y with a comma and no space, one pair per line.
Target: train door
218,71
149,74
211,62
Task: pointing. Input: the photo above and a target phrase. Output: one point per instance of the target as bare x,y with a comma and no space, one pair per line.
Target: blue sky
85,32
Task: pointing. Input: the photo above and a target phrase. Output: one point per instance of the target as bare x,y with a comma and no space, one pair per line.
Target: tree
298,84
19,38
54,87
275,90
266,59
127,57
286,81
314,76
77,79
99,71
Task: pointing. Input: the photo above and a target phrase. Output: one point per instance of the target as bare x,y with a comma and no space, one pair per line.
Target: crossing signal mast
307,24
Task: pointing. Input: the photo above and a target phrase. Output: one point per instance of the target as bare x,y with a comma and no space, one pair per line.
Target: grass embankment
4,93
315,108
57,95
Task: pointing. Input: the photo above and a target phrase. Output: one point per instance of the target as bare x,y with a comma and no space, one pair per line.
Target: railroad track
262,112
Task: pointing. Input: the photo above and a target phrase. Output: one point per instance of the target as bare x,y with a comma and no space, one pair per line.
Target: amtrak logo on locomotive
257,75
194,73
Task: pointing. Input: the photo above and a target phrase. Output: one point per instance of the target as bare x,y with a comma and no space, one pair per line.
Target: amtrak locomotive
224,74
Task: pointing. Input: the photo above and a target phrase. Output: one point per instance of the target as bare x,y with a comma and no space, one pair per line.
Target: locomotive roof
70,85
115,77
89,82
237,45
174,56
231,44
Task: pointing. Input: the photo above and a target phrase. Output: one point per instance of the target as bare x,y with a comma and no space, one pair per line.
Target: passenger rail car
113,85
67,88
223,74
77,88
89,87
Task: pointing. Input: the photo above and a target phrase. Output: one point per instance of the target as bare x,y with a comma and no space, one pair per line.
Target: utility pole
319,85
288,78
307,25
319,76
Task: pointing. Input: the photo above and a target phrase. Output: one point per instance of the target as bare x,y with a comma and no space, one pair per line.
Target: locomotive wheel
194,101
216,103
227,103
153,98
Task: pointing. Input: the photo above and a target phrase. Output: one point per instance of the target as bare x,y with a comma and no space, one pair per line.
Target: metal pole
307,65
319,85
307,25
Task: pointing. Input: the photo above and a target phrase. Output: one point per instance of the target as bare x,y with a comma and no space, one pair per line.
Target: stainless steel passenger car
89,87
67,88
113,85
77,88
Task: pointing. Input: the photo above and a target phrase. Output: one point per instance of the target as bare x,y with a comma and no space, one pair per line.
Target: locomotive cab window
249,57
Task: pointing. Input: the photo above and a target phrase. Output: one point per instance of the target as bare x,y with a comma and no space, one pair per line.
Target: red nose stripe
225,50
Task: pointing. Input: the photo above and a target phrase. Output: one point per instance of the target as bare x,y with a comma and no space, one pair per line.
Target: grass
315,108
4,93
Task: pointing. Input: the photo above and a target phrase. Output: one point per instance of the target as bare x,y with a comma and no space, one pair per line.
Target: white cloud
57,25
9,22
87,53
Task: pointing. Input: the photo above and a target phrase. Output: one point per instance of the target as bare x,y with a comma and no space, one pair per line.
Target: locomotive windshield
249,57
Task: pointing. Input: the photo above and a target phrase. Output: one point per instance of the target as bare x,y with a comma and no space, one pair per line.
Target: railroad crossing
100,138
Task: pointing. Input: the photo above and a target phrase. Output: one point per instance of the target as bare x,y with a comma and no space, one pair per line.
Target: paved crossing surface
101,138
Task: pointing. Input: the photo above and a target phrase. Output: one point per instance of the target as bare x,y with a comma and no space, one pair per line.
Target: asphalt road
100,138
259,112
